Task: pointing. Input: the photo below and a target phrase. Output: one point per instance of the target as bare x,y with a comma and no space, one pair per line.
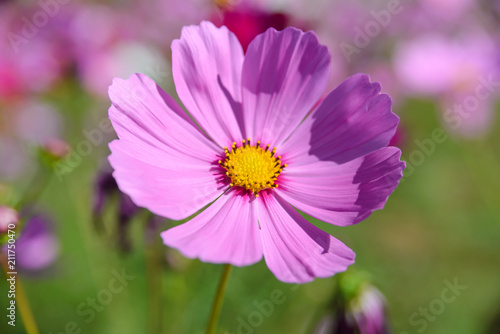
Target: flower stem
154,263
37,185
25,310
23,305
219,297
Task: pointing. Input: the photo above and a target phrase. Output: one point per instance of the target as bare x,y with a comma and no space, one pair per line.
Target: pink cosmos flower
255,155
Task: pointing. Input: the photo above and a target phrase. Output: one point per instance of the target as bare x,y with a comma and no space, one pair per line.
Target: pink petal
343,194
141,111
162,161
295,250
206,65
284,75
353,120
226,232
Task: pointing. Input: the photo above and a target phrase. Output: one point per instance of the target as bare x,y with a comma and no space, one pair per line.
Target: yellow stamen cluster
252,167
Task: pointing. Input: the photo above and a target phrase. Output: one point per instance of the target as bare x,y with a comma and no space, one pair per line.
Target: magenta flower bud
57,148
369,312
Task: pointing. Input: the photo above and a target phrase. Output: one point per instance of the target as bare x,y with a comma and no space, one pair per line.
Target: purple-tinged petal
284,75
162,161
295,250
142,112
168,187
206,65
343,194
353,120
226,232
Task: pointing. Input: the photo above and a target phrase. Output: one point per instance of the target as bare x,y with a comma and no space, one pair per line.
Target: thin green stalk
25,309
154,267
23,305
35,187
219,298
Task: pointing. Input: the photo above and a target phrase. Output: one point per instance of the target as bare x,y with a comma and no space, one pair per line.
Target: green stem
23,305
219,298
25,310
154,264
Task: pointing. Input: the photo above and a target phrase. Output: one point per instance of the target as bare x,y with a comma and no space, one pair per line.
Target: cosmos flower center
252,167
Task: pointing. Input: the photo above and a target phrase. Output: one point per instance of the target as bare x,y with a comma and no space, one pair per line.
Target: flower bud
56,148
8,219
37,247
358,308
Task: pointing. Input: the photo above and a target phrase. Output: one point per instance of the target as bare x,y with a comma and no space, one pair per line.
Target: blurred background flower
24,124
37,247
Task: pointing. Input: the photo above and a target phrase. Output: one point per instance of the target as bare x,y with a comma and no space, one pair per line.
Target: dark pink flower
246,22
250,157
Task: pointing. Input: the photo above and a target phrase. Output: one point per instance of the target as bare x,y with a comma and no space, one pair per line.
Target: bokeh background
438,59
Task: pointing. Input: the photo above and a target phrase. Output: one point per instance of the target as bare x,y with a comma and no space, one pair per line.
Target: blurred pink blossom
121,59
30,63
247,21
8,216
25,123
452,70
